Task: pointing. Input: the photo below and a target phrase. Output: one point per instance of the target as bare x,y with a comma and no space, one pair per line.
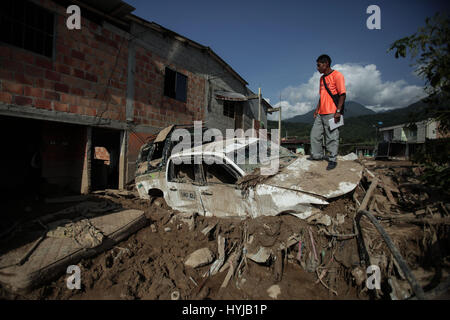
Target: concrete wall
199,65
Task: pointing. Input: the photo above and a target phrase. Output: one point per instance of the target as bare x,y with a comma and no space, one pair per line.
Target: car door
182,194
219,194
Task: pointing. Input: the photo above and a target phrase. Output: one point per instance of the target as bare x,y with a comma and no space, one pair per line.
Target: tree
430,46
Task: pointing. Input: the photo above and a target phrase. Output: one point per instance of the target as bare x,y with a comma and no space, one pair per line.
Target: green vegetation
430,46
361,129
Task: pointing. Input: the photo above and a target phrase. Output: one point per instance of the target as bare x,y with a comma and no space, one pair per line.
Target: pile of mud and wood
388,239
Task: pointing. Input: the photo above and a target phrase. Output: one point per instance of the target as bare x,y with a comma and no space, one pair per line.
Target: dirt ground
150,263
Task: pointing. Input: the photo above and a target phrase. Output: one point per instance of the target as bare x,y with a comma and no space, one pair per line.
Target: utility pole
279,125
259,107
279,121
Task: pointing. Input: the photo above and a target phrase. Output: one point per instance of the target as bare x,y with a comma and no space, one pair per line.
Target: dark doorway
105,159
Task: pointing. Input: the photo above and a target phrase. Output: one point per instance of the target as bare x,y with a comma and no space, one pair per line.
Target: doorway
105,159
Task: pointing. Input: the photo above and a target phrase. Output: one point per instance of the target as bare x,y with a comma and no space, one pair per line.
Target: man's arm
341,101
337,115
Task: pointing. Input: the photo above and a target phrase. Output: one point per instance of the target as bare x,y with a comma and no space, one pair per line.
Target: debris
359,276
208,229
340,218
323,283
82,231
175,295
278,268
153,227
116,193
312,244
418,290
199,258
311,263
187,218
400,289
351,235
369,192
348,157
320,219
227,277
219,262
261,256
274,291
158,202
190,278
231,263
121,252
167,229
300,250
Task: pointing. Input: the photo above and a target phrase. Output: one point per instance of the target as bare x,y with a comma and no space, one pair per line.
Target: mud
150,263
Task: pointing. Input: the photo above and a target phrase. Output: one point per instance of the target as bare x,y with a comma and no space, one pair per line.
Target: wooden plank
369,192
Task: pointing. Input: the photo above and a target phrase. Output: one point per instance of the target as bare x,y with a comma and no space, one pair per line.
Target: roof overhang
230,96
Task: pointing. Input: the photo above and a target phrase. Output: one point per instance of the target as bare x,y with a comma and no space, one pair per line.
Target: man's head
323,63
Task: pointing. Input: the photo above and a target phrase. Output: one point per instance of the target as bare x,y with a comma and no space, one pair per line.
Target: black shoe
314,159
331,165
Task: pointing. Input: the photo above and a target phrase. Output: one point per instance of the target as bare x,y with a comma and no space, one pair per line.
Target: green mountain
352,109
359,129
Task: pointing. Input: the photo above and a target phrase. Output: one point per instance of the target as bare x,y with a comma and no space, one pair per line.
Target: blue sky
274,45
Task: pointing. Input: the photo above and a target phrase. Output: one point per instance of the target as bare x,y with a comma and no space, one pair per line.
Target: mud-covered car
154,153
208,180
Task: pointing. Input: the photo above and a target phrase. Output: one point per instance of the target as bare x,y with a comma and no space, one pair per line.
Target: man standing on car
330,106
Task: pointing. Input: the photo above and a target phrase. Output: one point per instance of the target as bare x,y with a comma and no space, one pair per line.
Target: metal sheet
162,135
313,178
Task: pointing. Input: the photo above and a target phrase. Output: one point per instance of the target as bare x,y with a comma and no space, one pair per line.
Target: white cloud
363,84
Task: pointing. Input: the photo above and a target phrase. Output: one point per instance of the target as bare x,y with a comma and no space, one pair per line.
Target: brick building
110,84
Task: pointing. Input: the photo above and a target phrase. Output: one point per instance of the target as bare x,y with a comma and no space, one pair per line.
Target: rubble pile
390,223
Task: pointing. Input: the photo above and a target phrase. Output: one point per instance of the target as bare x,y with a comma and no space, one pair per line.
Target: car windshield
257,154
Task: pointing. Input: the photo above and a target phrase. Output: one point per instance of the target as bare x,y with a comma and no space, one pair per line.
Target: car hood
312,177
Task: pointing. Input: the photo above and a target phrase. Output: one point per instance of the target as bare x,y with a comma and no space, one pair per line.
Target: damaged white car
210,181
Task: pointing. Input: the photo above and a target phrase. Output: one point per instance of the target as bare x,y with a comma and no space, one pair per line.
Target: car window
218,173
181,173
249,158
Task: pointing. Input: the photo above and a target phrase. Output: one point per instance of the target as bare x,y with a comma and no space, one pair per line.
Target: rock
175,295
359,276
158,202
340,218
153,228
274,291
261,256
167,229
401,290
350,156
199,258
320,219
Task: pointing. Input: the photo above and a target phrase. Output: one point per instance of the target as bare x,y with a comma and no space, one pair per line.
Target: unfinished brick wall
151,106
88,76
76,79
